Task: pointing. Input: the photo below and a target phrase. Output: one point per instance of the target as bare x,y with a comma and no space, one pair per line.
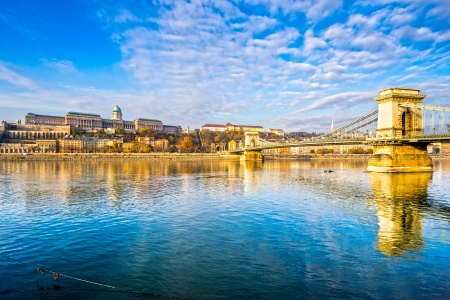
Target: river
222,230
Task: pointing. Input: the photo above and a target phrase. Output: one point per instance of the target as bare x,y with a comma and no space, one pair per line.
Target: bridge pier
400,158
252,156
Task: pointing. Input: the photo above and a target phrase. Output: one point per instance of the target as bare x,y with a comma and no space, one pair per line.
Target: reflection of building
399,198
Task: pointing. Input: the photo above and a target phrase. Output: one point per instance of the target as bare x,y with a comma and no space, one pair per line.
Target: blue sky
284,64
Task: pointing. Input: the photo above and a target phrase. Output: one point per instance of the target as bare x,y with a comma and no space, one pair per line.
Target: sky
293,65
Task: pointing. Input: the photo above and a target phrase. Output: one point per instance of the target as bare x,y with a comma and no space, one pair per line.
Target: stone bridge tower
251,141
395,121
393,151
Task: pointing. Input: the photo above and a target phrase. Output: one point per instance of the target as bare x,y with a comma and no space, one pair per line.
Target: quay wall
119,156
178,156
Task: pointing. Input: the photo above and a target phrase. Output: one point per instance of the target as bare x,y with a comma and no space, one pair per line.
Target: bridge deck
406,139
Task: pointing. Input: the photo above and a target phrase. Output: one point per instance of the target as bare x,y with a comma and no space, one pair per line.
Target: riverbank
175,156
119,156
316,157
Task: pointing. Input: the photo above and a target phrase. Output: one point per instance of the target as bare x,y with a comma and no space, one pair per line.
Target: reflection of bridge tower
398,198
392,154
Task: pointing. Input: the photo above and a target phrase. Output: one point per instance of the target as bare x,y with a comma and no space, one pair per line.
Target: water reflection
400,200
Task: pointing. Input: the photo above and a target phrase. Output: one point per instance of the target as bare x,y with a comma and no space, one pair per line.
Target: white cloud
323,8
311,42
340,100
17,79
62,66
414,34
126,16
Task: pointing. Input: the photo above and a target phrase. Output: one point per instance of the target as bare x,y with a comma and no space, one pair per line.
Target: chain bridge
399,130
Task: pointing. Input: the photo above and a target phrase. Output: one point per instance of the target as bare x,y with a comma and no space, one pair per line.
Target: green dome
117,109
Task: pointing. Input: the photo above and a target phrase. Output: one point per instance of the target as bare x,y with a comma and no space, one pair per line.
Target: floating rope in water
57,275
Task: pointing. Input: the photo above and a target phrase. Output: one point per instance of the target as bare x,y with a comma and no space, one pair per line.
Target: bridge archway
404,123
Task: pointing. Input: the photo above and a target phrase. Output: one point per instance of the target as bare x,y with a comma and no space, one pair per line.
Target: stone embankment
317,156
118,156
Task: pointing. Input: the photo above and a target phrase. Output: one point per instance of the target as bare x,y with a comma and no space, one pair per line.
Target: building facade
244,128
94,122
33,132
214,127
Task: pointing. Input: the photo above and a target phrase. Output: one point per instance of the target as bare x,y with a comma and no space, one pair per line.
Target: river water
223,230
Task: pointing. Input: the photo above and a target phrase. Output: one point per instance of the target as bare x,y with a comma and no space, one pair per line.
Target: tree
74,131
144,131
312,151
369,151
187,145
319,151
135,147
331,151
359,150
217,139
115,147
120,130
146,149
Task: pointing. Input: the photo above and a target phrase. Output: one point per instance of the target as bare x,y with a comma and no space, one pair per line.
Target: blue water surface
222,230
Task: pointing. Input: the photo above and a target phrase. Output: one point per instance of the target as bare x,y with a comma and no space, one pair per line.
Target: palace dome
117,109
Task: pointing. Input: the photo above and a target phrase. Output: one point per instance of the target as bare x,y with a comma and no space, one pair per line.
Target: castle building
93,122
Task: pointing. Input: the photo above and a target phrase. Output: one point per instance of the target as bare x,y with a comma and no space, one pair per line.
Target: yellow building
47,146
70,146
17,147
160,145
244,128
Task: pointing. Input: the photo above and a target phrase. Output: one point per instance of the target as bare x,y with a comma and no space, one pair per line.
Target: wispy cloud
62,66
17,79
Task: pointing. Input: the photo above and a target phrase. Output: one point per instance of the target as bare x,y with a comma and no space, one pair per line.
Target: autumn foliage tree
187,145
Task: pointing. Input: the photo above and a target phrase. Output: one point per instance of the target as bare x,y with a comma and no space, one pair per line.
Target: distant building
46,146
34,119
232,128
214,127
160,145
33,132
279,132
20,147
300,135
172,129
93,122
218,147
244,128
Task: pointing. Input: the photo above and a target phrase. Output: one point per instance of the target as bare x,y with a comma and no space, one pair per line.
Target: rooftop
148,120
82,114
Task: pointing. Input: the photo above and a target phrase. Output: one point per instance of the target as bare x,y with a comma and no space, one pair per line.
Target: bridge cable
57,275
351,124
